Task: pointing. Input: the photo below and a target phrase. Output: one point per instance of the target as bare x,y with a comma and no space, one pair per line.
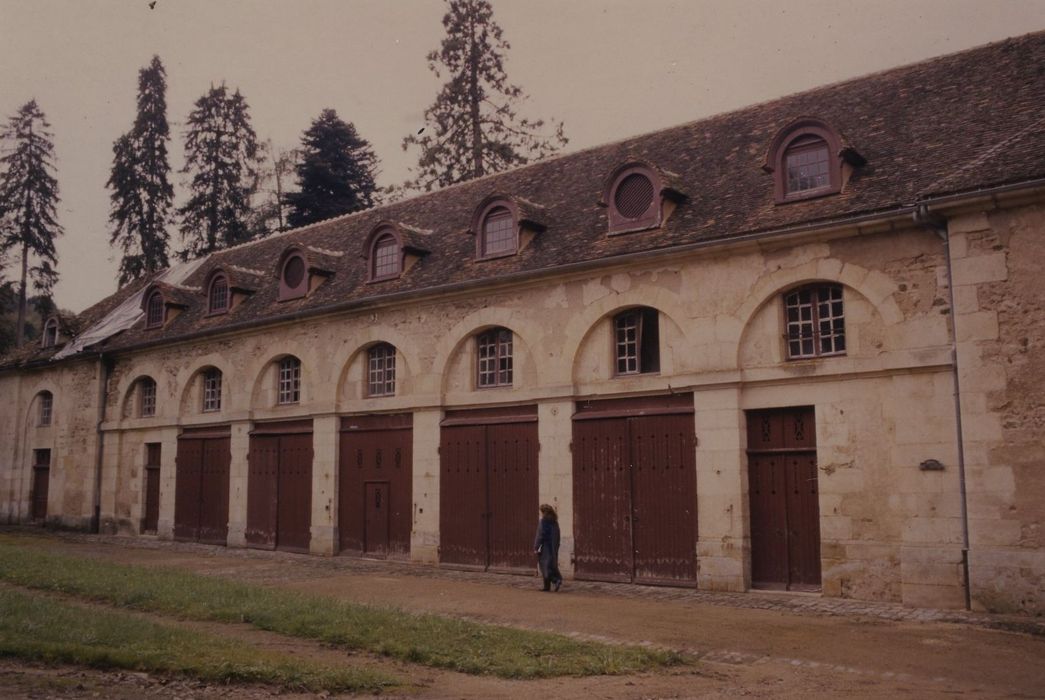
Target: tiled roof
958,123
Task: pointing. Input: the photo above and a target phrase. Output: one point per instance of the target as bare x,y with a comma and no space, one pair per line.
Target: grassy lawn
430,640
41,629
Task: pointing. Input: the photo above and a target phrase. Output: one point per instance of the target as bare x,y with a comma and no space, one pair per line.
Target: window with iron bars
289,383
495,358
815,321
381,370
637,341
212,390
146,398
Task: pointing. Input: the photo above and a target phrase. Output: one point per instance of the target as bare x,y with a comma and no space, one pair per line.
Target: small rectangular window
637,341
289,381
212,390
381,370
815,322
46,407
147,398
495,358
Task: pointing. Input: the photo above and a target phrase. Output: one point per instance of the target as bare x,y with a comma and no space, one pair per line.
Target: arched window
806,160
385,260
50,335
154,311
293,277
146,397
499,234
815,320
495,357
288,381
381,370
637,341
46,408
634,199
218,295
212,390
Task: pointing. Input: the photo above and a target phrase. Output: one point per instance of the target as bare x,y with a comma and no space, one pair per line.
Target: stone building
796,346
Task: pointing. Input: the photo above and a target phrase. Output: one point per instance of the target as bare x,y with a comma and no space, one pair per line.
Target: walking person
546,546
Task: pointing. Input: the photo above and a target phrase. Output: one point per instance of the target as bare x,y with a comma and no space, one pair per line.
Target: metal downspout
105,367
938,225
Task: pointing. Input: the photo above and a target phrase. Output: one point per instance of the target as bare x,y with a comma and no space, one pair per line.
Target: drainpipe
105,367
937,223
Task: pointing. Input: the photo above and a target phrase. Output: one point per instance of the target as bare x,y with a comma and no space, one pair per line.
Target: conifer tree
28,200
142,195
221,155
473,127
335,174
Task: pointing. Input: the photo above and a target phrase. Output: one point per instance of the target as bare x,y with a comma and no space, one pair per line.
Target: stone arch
189,380
525,335
872,286
128,392
32,411
407,363
583,326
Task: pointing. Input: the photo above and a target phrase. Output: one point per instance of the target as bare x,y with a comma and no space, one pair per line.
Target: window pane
386,257
289,380
807,167
147,399
381,370
627,331
495,358
219,295
498,232
154,313
212,390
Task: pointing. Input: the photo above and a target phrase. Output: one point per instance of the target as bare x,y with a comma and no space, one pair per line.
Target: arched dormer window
633,197
218,297
50,335
293,275
808,159
386,258
498,232
154,310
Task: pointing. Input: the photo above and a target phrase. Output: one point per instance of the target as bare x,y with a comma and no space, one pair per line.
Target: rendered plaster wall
890,531
1000,321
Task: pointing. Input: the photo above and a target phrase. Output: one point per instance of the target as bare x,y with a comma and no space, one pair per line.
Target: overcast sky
609,68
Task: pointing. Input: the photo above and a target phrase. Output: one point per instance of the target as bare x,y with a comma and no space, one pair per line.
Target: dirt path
743,651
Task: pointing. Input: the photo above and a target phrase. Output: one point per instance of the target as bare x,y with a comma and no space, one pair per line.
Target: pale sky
609,68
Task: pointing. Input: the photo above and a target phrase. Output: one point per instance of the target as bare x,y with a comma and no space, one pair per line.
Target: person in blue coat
546,546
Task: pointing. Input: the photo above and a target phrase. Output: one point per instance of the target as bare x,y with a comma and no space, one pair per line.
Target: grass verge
430,640
42,629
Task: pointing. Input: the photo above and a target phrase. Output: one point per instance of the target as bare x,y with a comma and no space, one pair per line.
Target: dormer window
293,277
385,260
809,159
50,335
498,236
218,295
154,311
633,199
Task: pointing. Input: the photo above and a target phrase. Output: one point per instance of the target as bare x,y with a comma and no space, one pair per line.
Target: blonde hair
548,511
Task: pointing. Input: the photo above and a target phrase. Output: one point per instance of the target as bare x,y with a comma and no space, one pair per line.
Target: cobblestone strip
306,567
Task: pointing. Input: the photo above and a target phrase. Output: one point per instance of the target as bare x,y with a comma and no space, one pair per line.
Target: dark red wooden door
294,508
41,484
151,511
376,448
462,496
214,491
262,482
188,464
376,525
664,498
634,490
785,511
602,500
511,478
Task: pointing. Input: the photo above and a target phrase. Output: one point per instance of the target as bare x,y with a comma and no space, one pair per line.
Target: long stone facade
929,487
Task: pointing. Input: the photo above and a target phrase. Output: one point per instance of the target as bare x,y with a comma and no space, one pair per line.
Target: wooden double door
375,484
279,486
634,490
488,488
201,491
784,499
